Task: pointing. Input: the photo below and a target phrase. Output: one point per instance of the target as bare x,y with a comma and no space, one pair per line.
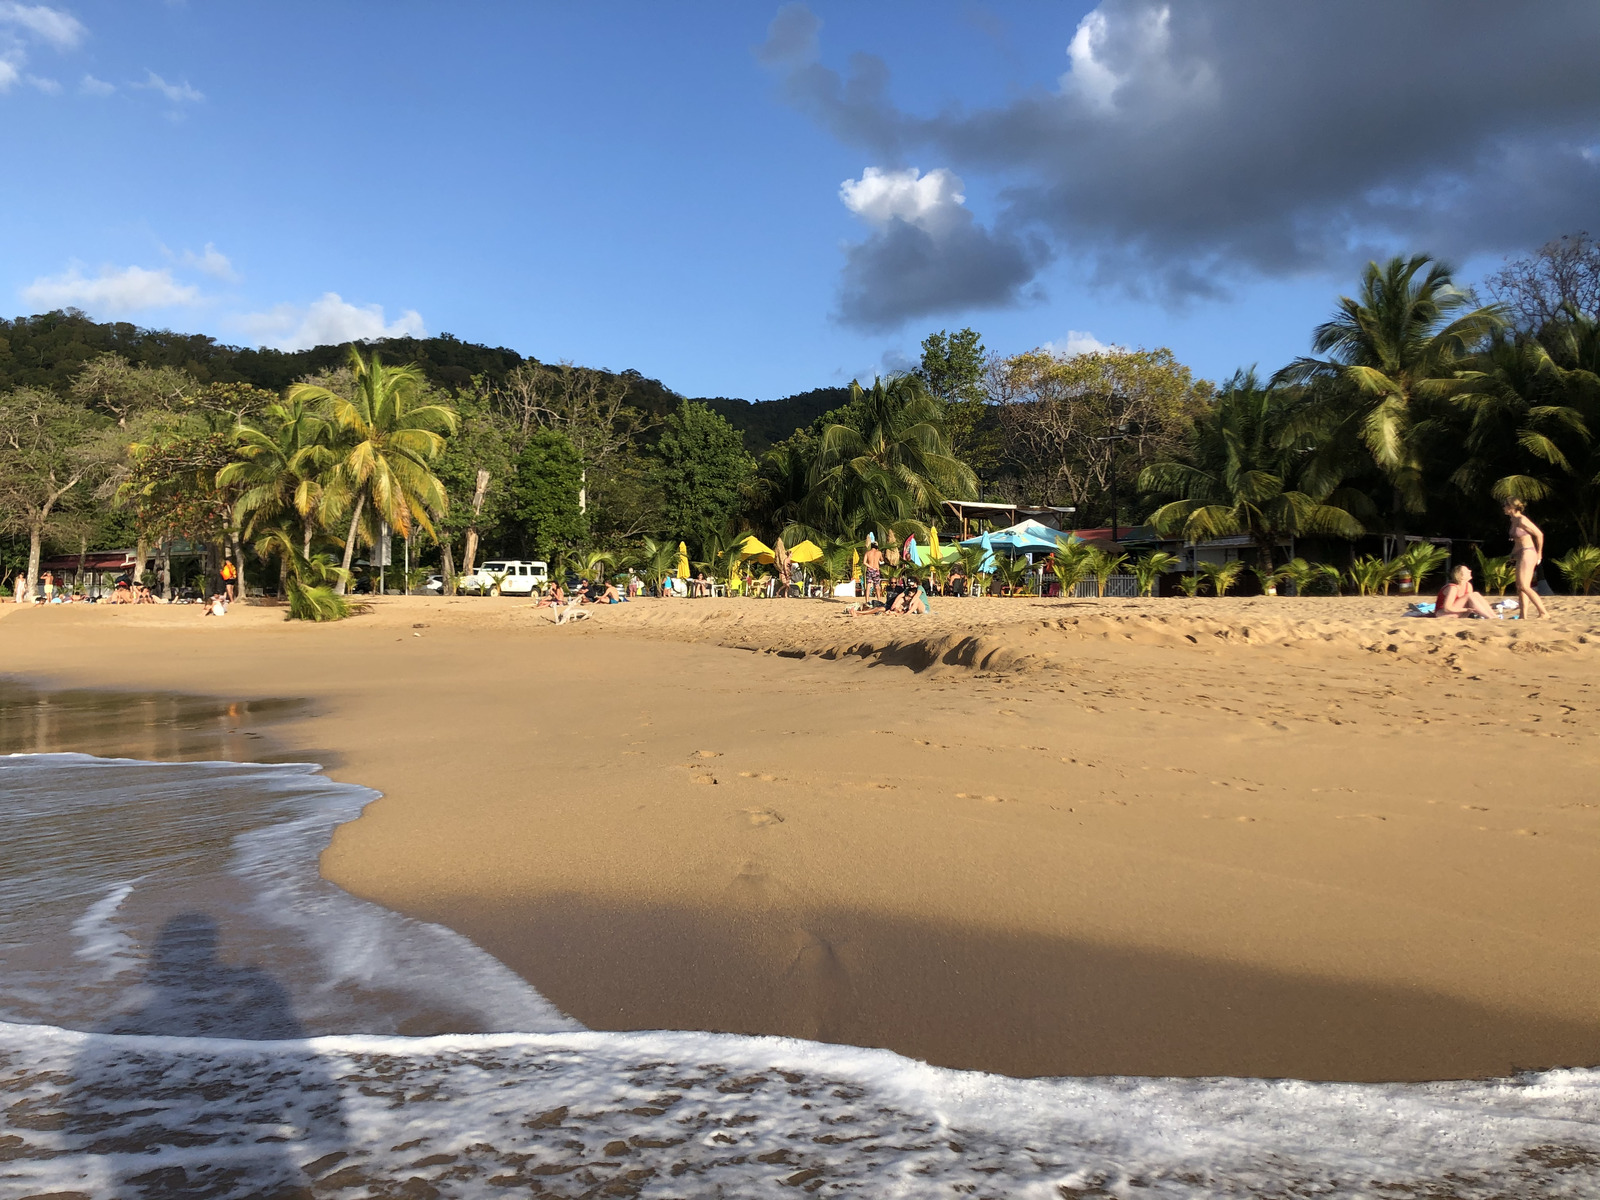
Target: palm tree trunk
350,541
305,537
35,537
140,553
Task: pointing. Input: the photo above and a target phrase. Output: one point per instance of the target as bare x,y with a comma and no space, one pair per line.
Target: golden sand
1248,837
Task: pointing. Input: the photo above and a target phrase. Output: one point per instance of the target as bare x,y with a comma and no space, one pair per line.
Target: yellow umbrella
806,551
855,564
753,547
683,562
933,546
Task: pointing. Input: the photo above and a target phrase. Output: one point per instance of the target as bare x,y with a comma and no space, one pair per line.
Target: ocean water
188,1009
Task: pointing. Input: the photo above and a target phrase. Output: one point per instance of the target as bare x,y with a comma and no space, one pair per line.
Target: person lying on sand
1458,599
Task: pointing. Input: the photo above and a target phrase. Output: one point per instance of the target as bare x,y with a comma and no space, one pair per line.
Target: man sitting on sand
1458,599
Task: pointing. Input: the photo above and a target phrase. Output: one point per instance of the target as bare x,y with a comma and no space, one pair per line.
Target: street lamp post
1121,435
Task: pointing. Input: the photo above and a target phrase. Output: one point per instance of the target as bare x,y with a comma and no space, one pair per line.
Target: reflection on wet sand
160,726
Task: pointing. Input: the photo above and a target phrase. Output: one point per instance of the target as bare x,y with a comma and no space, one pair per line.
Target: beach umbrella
806,551
933,546
754,547
986,543
914,554
683,562
855,564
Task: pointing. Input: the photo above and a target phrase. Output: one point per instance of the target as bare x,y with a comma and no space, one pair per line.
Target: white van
521,577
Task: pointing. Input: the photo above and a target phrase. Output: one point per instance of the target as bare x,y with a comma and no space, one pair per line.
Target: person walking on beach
1527,552
872,569
229,574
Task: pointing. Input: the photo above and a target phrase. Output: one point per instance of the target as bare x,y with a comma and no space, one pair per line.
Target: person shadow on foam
196,1121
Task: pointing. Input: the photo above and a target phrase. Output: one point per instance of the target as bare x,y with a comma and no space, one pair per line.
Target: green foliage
702,469
886,465
1189,585
1419,560
1074,562
1149,567
1497,572
1370,575
1298,573
542,496
1221,576
1238,476
1010,573
952,370
1389,351
312,580
1102,565
1581,567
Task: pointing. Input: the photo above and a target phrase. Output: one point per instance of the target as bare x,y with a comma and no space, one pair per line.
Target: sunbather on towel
1458,599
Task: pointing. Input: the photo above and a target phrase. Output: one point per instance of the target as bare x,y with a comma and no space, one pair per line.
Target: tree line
1421,408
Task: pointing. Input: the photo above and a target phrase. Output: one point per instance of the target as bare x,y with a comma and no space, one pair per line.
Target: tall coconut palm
282,456
889,466
1391,347
1519,434
387,442
1237,479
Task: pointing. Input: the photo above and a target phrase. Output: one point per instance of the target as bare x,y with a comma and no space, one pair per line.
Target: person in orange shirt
229,574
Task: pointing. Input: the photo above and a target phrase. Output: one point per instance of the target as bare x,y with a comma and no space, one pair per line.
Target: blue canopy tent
1025,537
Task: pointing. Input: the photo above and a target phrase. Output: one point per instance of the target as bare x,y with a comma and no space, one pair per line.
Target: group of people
904,596
1458,598
50,591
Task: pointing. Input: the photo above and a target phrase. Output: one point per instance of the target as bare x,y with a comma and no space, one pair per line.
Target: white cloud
212,262
178,93
328,321
1090,77
8,74
113,292
48,86
61,30
932,202
90,86
1077,341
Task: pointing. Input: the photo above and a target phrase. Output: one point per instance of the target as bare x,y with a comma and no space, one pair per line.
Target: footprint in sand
708,754
704,779
975,796
759,817
1474,808
763,776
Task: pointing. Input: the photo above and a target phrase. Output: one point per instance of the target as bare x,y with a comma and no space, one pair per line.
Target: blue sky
660,186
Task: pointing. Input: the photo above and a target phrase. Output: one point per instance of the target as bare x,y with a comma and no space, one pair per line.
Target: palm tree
1518,428
1390,348
889,468
387,444
1237,479
281,459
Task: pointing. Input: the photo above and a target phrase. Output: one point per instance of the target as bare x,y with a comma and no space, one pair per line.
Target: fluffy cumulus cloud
926,253
113,292
60,29
1185,147
327,321
25,25
1077,341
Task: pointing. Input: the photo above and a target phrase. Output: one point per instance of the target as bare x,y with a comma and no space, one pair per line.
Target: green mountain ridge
48,349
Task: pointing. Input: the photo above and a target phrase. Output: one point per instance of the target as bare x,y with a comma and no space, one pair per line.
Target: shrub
1147,568
1581,566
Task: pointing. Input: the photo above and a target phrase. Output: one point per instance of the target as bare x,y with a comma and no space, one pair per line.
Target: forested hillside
49,350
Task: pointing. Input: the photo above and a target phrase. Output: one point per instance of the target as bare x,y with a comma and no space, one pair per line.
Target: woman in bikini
1457,598
1527,551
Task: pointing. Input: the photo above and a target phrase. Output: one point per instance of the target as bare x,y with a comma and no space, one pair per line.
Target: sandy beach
1245,837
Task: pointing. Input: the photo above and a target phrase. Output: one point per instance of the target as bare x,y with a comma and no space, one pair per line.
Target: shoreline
1154,855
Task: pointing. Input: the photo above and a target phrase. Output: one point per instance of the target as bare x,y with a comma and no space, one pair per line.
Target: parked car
434,585
521,577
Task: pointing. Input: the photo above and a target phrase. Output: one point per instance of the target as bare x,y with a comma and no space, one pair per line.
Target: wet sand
1271,837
